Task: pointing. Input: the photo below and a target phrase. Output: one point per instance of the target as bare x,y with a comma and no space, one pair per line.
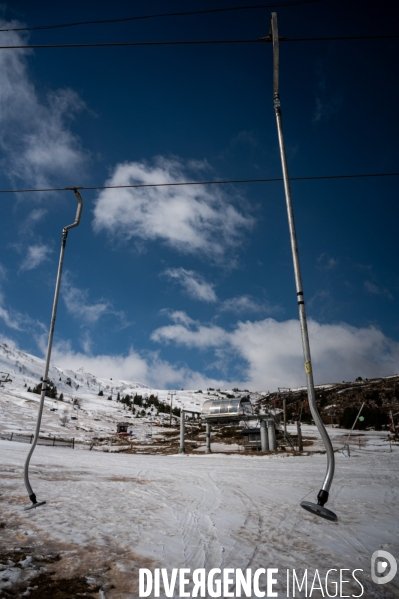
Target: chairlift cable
159,15
262,40
183,183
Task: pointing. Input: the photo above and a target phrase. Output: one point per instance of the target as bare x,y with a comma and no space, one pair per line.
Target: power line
116,44
337,38
261,40
169,14
182,183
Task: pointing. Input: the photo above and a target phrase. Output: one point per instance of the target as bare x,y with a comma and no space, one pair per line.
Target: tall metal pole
353,426
285,415
322,497
65,230
182,448
172,393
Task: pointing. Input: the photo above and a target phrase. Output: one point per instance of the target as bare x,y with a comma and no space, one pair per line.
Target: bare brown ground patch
54,476
60,570
127,479
18,499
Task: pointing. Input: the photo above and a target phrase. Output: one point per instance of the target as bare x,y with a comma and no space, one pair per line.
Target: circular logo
380,560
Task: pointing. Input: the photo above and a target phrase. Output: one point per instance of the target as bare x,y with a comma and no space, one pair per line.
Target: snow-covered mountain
99,411
97,414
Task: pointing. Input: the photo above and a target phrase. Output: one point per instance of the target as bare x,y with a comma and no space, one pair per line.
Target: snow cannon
317,509
45,381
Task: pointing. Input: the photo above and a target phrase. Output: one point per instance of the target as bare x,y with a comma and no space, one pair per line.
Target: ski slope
108,515
97,416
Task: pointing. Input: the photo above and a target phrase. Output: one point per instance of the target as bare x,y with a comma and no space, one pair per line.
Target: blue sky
193,286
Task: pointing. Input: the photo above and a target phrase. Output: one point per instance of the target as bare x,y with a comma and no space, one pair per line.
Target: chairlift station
226,411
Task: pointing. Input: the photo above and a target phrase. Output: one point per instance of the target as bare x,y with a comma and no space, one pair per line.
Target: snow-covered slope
108,515
97,415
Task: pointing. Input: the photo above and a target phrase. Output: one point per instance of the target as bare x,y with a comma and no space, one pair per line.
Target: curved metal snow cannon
65,230
322,497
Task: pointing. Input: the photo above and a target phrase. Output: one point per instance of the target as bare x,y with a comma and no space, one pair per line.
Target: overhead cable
167,14
182,183
261,40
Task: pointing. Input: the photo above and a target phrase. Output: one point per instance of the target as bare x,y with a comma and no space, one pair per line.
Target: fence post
299,429
31,439
11,436
73,443
53,441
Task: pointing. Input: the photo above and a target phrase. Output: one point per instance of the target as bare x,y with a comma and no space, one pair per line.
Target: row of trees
138,401
51,390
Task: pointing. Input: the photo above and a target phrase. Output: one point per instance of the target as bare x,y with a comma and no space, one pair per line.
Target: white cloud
36,254
148,368
35,138
326,262
328,103
272,350
178,317
18,321
77,304
3,273
193,284
322,295
245,137
34,216
200,337
7,341
375,290
14,319
191,219
86,342
326,108
245,303
10,319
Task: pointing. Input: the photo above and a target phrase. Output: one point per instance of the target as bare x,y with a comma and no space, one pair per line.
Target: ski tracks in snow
207,511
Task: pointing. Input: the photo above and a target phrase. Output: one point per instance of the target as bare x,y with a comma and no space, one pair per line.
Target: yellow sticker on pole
308,367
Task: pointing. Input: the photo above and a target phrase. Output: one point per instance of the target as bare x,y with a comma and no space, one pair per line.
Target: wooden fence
50,441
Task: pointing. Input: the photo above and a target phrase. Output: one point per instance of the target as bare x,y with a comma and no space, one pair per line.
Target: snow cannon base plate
319,510
33,505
